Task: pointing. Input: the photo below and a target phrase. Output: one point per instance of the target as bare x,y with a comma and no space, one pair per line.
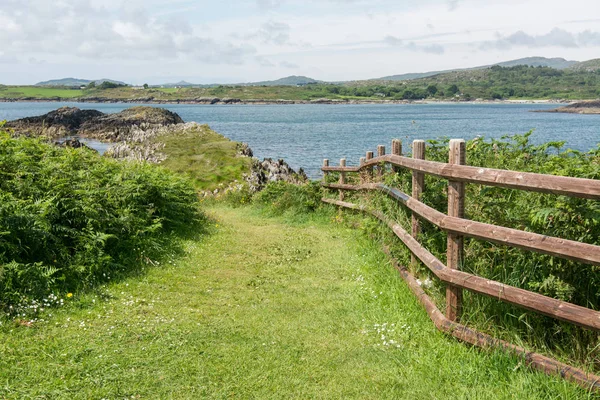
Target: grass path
262,308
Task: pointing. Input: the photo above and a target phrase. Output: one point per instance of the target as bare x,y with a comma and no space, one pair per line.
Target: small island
581,107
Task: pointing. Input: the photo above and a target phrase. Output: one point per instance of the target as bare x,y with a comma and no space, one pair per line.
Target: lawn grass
264,307
206,157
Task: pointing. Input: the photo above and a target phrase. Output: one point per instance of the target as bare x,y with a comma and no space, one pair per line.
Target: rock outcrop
136,133
64,121
67,121
269,170
581,107
120,126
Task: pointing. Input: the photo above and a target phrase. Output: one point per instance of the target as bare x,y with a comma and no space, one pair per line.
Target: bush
281,197
70,219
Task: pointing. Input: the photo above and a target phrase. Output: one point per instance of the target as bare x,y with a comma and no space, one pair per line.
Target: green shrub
281,197
70,219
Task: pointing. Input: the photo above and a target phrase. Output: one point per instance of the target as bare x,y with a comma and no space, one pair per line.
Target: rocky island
581,107
159,136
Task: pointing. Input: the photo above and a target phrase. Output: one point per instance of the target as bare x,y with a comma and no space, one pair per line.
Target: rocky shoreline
136,133
234,101
582,107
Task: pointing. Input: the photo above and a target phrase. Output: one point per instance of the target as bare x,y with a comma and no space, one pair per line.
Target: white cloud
555,38
240,40
432,48
273,32
72,27
289,65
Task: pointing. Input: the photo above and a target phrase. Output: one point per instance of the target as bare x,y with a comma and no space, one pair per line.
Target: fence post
325,164
418,185
397,151
369,169
456,208
381,166
342,178
361,173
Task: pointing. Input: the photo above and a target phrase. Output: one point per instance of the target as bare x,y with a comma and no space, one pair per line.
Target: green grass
38,92
262,308
207,158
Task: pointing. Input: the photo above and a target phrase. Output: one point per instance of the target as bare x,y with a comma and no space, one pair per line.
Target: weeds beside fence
541,282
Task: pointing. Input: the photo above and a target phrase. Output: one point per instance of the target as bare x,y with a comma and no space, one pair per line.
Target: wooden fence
457,227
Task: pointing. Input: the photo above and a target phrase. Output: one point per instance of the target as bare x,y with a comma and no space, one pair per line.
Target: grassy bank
207,158
263,307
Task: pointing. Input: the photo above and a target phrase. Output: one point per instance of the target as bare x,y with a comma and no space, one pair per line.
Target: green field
38,92
263,307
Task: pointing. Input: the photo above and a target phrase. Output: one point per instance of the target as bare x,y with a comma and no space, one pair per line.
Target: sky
152,41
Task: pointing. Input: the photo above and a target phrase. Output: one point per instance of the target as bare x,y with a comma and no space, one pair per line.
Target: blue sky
238,41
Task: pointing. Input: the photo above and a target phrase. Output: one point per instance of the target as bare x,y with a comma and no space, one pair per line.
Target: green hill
76,82
287,81
558,63
587,66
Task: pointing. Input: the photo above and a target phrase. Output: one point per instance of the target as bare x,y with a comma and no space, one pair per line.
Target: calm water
305,134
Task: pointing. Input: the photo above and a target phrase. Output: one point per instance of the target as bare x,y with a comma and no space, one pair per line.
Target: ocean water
304,135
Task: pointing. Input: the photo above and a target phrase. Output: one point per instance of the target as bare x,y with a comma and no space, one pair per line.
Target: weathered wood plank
418,185
368,158
562,185
564,248
342,178
466,334
381,166
456,208
396,150
532,301
325,165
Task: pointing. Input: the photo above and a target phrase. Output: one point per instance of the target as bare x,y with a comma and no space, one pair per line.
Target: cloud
452,5
268,4
273,32
393,41
428,48
72,27
555,38
412,46
589,38
286,64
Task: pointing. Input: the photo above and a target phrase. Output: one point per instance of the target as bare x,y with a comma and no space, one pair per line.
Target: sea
305,134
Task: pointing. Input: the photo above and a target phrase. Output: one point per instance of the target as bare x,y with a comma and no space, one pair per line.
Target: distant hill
558,63
179,84
75,82
287,81
590,65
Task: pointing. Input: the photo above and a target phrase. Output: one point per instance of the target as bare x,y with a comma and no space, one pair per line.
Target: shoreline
227,101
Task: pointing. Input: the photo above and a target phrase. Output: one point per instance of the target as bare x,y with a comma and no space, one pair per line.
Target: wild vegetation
70,219
559,216
282,284
298,305
517,82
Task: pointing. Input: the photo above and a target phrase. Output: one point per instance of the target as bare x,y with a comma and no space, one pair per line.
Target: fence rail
458,227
